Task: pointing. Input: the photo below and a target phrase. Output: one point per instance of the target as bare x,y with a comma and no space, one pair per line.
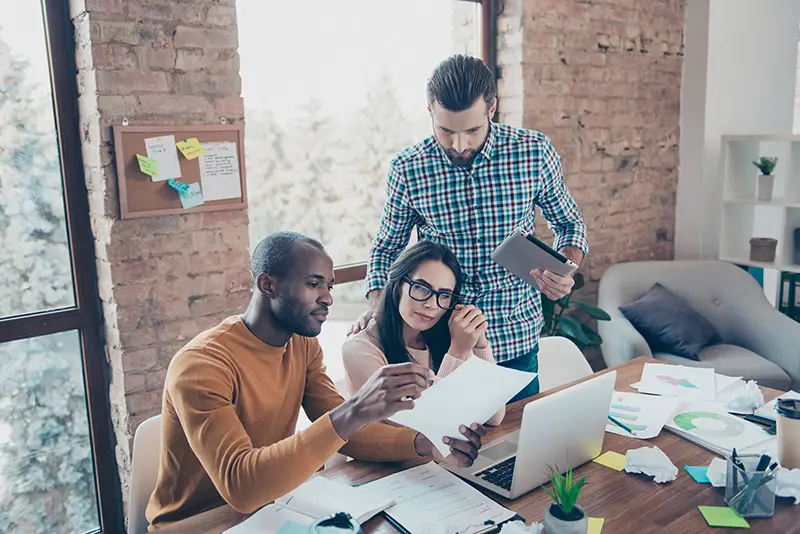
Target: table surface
629,503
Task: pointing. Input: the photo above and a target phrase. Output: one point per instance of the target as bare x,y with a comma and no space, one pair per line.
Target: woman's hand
467,331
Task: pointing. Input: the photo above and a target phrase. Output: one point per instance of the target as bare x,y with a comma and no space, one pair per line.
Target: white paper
644,414
219,171
787,484
320,497
768,410
717,472
428,496
678,381
269,520
165,154
715,426
472,393
651,461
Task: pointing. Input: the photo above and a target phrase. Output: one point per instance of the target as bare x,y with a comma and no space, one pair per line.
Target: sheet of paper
321,497
698,472
678,381
768,410
428,497
645,415
715,426
611,459
722,516
595,525
269,520
219,171
162,150
190,148
472,393
147,166
192,196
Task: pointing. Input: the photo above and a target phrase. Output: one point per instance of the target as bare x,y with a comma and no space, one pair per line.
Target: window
57,470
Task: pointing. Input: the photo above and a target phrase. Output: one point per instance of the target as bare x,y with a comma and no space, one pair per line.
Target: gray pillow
669,324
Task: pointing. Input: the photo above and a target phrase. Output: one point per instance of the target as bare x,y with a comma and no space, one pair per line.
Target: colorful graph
677,382
628,414
709,424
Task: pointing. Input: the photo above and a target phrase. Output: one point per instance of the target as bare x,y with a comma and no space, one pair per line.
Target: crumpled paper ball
787,483
717,472
743,398
518,527
651,461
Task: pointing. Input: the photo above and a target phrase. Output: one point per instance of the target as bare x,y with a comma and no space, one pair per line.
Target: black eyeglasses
420,292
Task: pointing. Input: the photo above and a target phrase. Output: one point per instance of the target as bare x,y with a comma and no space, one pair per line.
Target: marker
621,425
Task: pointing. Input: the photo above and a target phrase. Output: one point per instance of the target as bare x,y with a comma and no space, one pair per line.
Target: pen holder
749,492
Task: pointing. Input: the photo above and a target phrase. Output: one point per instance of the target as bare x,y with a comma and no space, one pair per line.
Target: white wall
738,78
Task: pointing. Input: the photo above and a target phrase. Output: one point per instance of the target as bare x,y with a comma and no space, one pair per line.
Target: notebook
710,427
317,498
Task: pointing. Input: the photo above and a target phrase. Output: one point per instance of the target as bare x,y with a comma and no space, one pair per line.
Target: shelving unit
743,216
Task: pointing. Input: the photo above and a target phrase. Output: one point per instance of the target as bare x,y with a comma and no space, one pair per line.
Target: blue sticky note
191,196
293,528
698,472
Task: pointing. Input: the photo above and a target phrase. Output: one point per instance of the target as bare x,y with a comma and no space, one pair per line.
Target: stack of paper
712,428
697,383
316,499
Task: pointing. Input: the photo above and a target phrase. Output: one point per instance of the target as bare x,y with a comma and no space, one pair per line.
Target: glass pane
331,101
46,471
35,258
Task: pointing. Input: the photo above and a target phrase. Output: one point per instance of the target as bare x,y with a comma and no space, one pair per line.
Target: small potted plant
765,180
564,516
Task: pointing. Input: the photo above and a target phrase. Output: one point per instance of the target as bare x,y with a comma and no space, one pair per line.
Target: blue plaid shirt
471,210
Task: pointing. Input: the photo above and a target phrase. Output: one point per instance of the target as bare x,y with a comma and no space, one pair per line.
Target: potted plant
765,180
558,324
564,516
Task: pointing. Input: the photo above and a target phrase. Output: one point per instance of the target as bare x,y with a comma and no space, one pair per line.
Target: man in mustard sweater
233,394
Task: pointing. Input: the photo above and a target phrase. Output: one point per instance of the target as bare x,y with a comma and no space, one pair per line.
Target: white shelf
764,265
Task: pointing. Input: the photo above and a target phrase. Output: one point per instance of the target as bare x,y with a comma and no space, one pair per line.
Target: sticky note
190,148
698,472
595,525
147,166
722,516
192,196
293,528
612,459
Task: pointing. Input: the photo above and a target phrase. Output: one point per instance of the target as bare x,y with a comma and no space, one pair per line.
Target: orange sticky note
190,148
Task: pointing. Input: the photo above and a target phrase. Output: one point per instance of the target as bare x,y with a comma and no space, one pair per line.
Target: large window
333,91
57,472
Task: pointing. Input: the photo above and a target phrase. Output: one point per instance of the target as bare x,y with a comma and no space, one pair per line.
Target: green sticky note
612,459
722,516
147,166
595,525
698,472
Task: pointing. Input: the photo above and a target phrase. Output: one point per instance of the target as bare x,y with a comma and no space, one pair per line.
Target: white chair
560,362
144,472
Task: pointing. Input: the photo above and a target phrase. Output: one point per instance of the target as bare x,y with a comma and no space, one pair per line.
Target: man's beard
461,159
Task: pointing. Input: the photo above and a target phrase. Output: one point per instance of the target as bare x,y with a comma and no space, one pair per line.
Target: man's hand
467,328
373,298
553,285
391,389
462,451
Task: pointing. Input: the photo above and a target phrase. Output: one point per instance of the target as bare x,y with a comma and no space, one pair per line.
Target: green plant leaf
593,311
551,495
564,301
579,281
594,338
573,329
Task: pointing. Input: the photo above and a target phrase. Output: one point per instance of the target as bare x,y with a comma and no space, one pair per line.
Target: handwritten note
189,194
162,150
191,148
147,166
219,171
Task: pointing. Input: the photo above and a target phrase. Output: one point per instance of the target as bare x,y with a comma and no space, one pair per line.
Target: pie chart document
705,424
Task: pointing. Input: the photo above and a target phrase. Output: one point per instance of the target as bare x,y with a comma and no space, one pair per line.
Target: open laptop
565,429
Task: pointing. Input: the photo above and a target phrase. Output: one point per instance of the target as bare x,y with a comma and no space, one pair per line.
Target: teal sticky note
191,196
293,528
698,472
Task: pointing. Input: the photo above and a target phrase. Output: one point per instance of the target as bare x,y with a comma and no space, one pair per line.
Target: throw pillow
669,324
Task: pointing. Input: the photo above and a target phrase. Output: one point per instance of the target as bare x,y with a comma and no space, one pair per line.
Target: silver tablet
519,253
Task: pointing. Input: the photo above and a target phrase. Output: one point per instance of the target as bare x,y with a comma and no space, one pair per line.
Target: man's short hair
458,81
273,254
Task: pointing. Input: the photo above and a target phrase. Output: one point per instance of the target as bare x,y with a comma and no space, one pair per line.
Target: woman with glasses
419,319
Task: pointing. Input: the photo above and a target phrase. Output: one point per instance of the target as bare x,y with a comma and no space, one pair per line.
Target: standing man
469,186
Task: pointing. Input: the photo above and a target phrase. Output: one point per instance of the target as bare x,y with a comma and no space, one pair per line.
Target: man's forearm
574,254
373,298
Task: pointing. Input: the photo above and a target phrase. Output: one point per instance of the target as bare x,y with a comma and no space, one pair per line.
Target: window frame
86,315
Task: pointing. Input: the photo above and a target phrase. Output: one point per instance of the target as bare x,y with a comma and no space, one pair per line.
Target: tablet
520,252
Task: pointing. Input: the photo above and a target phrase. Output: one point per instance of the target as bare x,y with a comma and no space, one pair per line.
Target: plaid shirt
471,210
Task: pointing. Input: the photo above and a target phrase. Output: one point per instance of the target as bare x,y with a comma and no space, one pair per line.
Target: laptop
565,429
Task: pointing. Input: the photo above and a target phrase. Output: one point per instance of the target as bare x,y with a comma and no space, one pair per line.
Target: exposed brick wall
162,279
602,79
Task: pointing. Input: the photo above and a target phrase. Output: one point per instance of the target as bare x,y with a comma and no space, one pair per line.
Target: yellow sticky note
612,459
595,525
147,166
190,148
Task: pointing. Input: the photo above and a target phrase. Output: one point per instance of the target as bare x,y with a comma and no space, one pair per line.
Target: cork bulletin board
142,196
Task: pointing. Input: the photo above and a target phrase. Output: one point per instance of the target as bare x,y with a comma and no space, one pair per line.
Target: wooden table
629,503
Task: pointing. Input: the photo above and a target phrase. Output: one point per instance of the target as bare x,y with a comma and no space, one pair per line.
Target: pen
621,425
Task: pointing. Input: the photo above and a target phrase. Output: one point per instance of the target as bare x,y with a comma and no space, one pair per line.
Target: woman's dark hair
388,319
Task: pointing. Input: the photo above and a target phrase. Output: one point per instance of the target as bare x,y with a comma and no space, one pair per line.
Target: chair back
144,472
560,362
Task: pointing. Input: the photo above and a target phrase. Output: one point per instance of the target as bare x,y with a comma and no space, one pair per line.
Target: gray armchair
758,342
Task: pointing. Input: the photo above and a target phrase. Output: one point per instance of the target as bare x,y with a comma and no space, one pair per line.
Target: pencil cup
749,492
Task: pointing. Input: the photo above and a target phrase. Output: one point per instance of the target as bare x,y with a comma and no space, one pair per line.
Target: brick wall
162,279
602,79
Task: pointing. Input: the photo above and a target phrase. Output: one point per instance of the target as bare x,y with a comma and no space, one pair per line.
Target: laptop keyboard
499,474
